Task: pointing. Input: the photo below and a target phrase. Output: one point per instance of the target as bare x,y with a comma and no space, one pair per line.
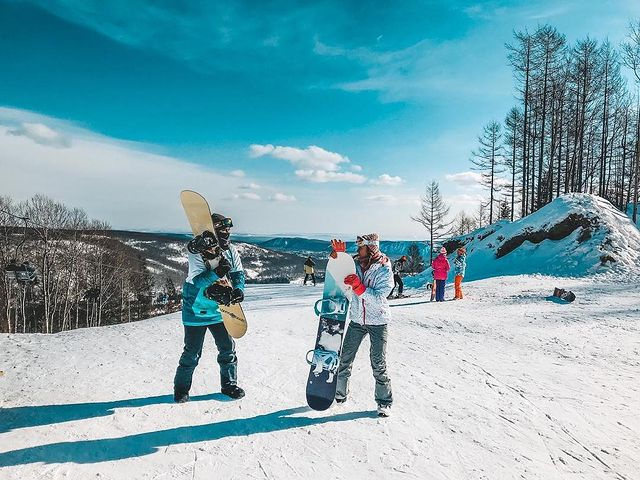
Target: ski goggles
362,242
224,223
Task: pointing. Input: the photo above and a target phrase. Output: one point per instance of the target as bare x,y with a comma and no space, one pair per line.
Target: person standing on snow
441,269
309,271
211,258
398,267
369,314
459,267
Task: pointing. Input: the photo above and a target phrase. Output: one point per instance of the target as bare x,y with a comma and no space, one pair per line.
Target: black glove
223,267
219,293
200,243
237,295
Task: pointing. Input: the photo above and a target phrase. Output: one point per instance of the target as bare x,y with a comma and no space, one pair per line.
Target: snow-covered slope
503,385
575,235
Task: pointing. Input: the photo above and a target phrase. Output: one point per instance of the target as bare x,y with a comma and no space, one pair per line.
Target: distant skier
309,271
459,267
369,314
398,267
441,269
211,258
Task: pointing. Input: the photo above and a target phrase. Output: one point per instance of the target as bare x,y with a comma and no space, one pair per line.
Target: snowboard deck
333,310
199,215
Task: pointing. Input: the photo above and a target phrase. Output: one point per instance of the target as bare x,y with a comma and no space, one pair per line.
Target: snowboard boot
340,401
180,397
232,391
384,410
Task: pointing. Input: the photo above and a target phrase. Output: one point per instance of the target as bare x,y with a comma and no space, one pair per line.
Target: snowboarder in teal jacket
212,257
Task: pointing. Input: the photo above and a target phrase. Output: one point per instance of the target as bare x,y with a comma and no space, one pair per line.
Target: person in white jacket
368,314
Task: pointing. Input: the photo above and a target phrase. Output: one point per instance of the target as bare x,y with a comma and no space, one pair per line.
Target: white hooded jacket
372,307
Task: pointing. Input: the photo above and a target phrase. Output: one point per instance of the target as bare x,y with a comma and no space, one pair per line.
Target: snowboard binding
324,360
331,306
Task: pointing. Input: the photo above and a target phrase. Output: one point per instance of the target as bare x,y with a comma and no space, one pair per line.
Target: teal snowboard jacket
198,310
460,265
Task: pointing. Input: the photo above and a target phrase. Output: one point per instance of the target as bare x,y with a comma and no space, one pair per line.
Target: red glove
356,285
337,246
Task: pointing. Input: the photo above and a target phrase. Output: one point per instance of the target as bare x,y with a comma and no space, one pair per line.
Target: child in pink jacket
441,269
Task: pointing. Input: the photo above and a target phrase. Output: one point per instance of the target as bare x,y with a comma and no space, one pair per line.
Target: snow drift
575,235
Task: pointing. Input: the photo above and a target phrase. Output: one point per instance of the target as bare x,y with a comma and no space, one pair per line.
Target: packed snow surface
505,384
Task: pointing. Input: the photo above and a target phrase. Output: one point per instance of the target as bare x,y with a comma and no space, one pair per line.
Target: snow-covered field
505,384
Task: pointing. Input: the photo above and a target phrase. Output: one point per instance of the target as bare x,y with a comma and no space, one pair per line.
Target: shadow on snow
108,449
33,416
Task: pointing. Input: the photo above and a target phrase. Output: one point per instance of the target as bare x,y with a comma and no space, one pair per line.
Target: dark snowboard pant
440,290
193,341
377,354
397,281
307,276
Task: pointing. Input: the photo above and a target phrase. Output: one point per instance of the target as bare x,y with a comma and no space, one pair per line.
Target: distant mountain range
265,259
393,249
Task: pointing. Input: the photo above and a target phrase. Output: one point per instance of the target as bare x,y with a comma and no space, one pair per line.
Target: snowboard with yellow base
199,216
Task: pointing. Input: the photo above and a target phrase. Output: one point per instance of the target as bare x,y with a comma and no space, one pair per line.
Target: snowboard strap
323,360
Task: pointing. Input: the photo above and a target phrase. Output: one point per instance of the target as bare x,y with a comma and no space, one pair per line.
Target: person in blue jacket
212,257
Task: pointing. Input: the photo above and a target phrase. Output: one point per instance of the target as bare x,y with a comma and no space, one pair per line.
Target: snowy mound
575,235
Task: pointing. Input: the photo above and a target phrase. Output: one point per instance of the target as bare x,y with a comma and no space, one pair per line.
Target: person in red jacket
441,269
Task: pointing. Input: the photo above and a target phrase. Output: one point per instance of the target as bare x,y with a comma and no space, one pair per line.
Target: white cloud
89,175
388,180
108,178
311,158
260,150
41,134
250,186
237,173
246,196
382,198
322,176
356,168
474,179
466,199
281,197
407,201
426,70
465,178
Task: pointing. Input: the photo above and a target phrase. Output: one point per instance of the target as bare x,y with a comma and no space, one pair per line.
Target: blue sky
293,117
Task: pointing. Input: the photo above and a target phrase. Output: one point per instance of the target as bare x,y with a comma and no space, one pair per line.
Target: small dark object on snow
565,295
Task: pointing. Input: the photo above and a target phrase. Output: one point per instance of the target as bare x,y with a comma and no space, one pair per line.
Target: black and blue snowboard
333,310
